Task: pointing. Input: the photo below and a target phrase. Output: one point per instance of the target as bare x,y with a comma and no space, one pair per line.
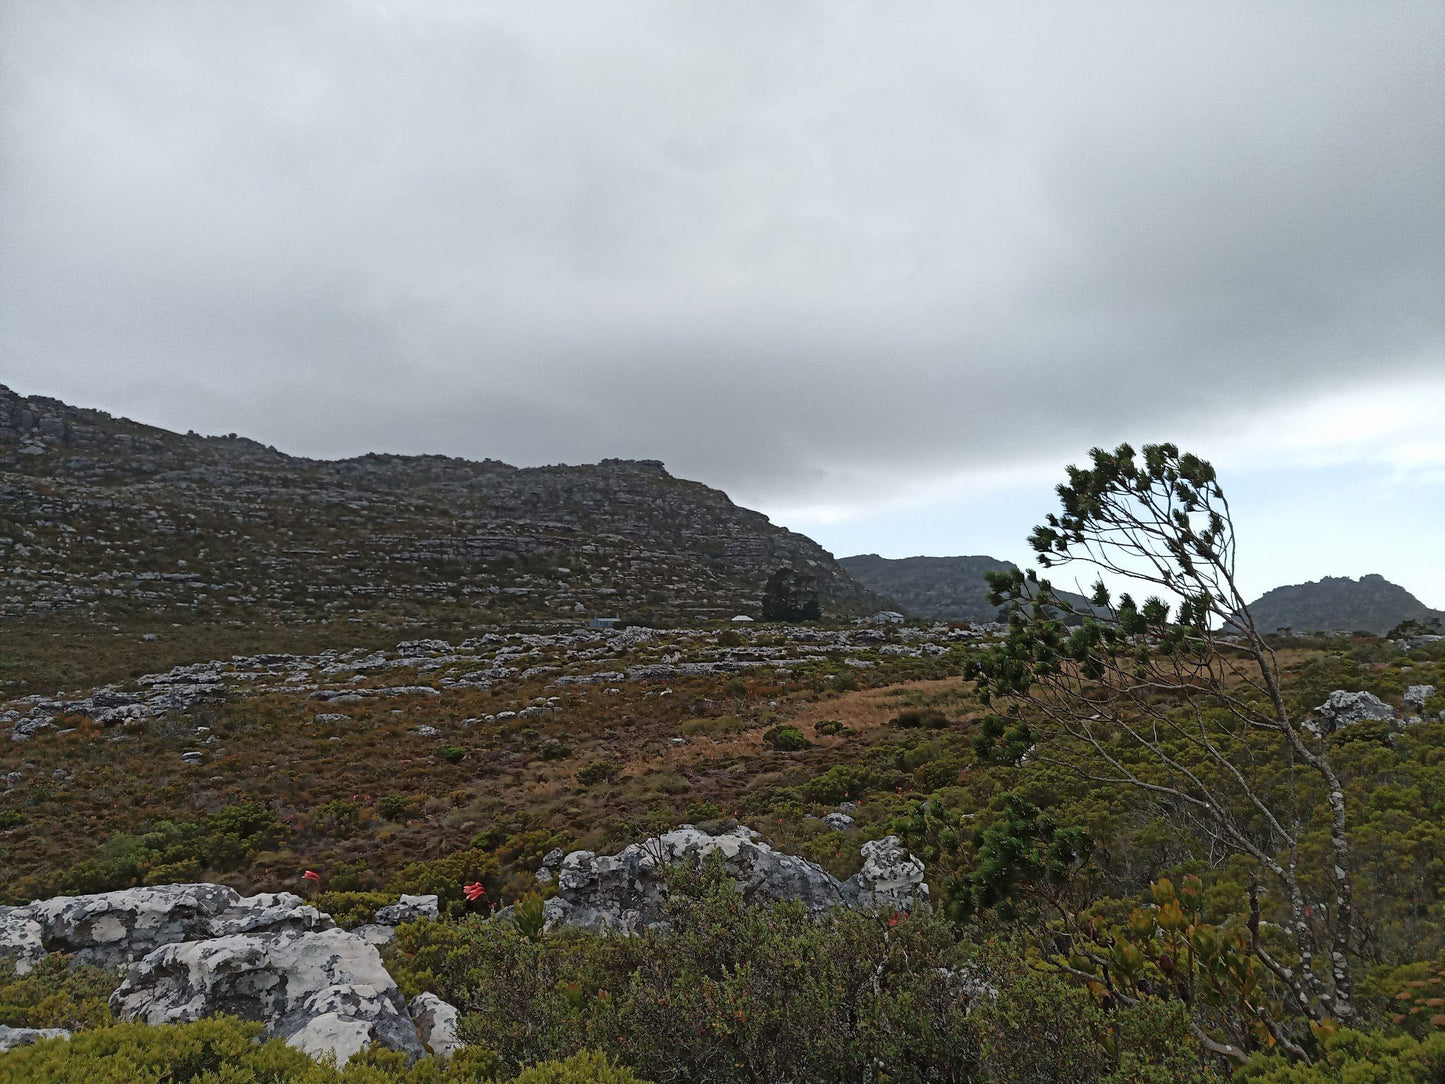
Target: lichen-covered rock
376,933
21,938
1416,695
117,928
10,1038
323,991
890,877
407,909
626,892
114,929
1343,708
436,1024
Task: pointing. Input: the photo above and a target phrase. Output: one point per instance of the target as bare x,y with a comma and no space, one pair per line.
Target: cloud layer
817,254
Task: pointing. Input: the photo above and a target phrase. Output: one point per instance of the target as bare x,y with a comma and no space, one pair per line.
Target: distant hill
943,588
110,527
1340,604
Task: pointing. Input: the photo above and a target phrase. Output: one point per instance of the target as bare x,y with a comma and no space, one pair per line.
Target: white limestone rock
436,1024
114,929
325,992
21,939
626,892
407,909
10,1038
1344,708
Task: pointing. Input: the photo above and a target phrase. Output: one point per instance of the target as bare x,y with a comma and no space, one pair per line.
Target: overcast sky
879,270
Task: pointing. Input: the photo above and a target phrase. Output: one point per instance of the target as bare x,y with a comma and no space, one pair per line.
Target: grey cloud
799,251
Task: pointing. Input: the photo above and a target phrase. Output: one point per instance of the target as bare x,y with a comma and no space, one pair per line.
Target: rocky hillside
941,588
110,524
1340,604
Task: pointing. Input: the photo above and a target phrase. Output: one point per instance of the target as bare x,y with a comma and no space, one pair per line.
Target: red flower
474,891
312,876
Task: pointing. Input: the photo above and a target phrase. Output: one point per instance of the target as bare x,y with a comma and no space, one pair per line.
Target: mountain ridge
112,522
1340,604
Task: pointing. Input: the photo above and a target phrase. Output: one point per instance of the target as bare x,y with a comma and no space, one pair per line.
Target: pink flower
474,891
312,876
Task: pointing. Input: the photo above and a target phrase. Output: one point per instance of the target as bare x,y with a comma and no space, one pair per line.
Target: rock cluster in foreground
192,950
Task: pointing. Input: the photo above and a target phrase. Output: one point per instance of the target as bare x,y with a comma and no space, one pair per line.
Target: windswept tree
1178,696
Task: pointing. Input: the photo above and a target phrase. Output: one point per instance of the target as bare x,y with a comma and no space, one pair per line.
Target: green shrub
722,726
1352,1057
54,994
452,754
582,1068
445,877
786,739
352,909
599,771
399,807
224,1050
731,992
915,718
1039,1029
341,818
840,783
178,849
830,727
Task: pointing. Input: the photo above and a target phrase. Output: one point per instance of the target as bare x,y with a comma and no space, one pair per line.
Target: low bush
224,1050
599,771
352,909
55,995
722,726
786,739
732,992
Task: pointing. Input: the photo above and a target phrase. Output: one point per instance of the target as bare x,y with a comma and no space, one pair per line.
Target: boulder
839,822
10,1038
890,877
114,929
407,909
21,939
1416,695
325,992
1344,708
626,892
436,1024
376,933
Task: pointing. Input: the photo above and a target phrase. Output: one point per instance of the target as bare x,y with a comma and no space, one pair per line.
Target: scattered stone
10,1038
407,909
1416,695
376,933
839,822
436,1024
